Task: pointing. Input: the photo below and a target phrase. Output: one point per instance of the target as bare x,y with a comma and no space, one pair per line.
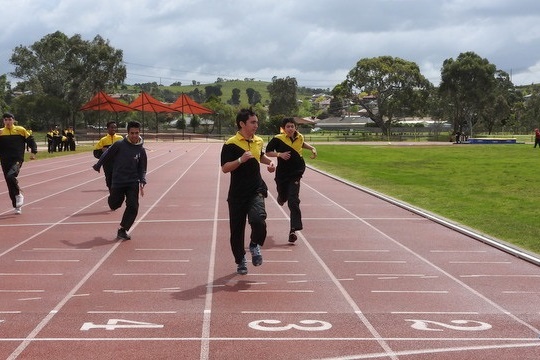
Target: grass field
490,188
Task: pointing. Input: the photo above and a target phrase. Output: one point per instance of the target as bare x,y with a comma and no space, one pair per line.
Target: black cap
8,115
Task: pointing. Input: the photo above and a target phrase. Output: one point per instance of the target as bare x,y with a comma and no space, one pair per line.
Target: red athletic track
366,280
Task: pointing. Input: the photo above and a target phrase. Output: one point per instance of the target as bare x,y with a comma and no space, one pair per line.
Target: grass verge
490,188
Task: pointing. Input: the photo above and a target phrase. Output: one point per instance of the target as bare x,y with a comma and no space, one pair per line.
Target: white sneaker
19,200
18,210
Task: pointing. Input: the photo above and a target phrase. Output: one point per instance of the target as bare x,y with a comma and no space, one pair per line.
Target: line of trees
59,73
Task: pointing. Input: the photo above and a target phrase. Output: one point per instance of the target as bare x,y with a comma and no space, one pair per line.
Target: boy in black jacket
128,177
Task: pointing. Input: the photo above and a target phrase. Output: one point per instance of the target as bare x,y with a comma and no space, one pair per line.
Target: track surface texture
367,279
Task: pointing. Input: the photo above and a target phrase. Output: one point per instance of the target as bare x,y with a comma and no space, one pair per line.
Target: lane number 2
460,325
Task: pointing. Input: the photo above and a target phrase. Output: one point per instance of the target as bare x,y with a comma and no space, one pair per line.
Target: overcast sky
316,41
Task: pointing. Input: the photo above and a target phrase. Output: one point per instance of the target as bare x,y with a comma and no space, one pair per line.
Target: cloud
317,42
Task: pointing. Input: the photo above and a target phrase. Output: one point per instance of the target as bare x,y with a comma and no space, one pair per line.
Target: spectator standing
536,137
241,156
50,141
128,176
70,139
287,147
57,139
13,141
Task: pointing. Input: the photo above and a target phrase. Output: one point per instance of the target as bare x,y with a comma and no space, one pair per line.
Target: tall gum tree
397,86
69,69
467,89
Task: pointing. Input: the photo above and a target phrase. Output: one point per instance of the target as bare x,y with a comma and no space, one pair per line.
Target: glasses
9,118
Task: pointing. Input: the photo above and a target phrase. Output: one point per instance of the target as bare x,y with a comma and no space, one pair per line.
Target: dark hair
110,123
243,115
287,120
133,124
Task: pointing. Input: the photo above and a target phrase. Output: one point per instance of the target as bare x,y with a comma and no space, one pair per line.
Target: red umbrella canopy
145,102
187,105
103,102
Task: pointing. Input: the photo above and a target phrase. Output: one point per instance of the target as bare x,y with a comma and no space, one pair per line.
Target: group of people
241,156
60,140
124,161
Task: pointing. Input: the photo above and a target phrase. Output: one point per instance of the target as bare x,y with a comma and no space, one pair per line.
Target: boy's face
8,122
112,128
290,128
133,135
250,126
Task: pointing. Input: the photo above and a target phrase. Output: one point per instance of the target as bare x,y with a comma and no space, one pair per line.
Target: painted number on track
306,325
460,325
114,324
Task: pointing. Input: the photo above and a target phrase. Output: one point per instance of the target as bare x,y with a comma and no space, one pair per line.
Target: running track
367,279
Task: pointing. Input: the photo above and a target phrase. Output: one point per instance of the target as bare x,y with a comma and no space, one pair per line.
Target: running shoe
18,210
256,257
292,237
19,200
241,268
122,234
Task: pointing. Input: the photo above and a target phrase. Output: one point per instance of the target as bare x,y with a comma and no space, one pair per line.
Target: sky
317,42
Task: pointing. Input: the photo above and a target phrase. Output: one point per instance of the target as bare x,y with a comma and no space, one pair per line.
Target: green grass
490,188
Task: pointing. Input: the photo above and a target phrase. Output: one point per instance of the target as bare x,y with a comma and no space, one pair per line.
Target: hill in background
227,87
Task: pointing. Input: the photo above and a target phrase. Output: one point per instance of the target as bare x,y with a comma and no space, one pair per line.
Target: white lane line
30,274
376,261
129,312
285,274
21,291
29,299
130,291
45,260
480,262
360,250
209,296
276,291
398,275
10,312
58,249
458,251
521,292
500,275
163,249
163,261
411,291
435,312
534,341
283,312
149,274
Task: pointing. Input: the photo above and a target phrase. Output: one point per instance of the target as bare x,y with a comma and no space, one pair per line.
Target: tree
253,96
235,97
467,88
397,85
213,90
283,97
4,91
195,122
68,68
